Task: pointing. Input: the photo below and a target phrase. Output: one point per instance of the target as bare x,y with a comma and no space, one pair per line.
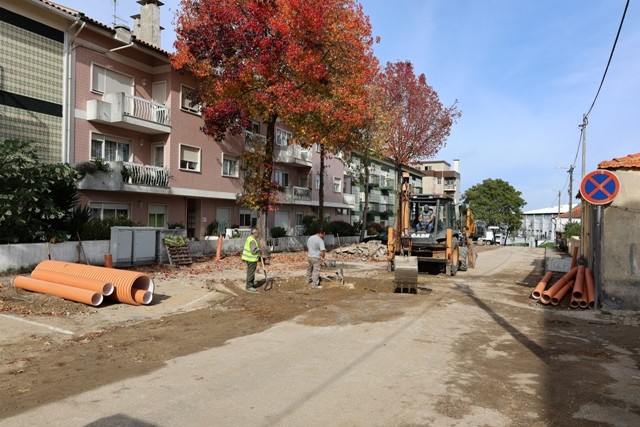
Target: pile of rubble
373,250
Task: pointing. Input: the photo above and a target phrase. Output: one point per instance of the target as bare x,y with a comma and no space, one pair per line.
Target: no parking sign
600,187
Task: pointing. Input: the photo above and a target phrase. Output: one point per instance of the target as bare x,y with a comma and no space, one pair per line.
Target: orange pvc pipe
574,257
590,287
549,293
67,292
555,300
575,302
108,260
141,296
578,289
219,248
124,281
582,302
541,286
105,288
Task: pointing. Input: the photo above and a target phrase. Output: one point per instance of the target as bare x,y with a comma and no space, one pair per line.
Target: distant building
542,223
440,178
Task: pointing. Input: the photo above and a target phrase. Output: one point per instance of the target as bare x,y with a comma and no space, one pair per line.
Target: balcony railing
349,199
138,174
386,183
294,194
130,112
147,110
293,155
450,187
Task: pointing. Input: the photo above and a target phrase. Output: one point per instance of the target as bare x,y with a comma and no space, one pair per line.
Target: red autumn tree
419,123
269,60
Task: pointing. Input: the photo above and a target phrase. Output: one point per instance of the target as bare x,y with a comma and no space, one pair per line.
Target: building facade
441,178
89,94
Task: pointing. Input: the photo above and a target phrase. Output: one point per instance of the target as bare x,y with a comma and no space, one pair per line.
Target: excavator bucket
406,274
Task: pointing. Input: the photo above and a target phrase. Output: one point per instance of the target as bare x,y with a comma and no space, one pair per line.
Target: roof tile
632,161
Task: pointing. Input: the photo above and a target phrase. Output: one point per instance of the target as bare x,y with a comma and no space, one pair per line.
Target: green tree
36,197
497,203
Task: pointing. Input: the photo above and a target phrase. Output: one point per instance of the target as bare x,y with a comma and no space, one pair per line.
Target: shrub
212,229
278,232
572,229
176,225
374,227
341,228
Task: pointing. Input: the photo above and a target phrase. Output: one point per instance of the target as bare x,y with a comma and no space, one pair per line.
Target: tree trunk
267,172
365,208
321,191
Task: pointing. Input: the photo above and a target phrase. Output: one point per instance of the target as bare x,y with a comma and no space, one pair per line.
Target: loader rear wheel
452,265
464,254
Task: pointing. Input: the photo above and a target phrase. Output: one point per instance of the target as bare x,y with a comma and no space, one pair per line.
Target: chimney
123,33
146,25
456,165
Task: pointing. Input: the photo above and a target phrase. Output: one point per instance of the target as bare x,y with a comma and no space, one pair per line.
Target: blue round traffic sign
600,187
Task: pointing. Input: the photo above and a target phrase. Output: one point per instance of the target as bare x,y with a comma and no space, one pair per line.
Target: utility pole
583,128
559,222
570,190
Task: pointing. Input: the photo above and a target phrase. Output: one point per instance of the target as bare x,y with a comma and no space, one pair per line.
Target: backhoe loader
414,248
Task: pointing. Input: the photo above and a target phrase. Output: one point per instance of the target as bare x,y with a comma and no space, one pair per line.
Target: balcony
293,155
349,199
124,174
138,174
130,112
294,195
449,187
374,180
386,183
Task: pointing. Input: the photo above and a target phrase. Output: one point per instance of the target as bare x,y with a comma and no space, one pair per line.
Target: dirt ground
35,370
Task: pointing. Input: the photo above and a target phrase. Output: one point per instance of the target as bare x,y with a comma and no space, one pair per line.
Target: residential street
472,350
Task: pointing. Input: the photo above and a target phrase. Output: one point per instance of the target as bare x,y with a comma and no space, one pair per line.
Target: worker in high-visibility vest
251,255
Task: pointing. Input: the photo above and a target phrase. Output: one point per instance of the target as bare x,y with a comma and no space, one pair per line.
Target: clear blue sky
524,73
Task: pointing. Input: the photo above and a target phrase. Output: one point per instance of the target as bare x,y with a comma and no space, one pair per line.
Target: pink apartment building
117,98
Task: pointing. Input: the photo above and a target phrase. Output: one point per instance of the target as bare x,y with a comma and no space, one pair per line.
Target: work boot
251,289
316,286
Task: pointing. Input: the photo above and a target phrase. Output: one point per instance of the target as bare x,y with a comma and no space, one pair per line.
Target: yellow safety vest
247,255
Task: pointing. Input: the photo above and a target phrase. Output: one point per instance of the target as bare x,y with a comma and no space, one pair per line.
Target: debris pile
373,250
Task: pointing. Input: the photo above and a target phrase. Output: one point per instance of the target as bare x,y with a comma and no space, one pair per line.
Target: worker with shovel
315,255
251,255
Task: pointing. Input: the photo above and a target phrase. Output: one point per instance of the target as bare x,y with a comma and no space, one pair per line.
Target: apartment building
441,178
84,90
382,187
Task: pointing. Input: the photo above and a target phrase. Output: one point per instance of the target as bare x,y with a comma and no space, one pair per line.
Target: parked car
382,237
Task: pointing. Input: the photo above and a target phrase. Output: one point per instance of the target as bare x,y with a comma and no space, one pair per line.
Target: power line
610,56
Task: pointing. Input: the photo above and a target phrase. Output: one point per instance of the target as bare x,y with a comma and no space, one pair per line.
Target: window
229,166
254,127
337,185
186,100
282,178
427,168
318,147
342,211
282,137
109,210
189,158
158,155
110,148
108,81
317,181
157,216
299,217
248,218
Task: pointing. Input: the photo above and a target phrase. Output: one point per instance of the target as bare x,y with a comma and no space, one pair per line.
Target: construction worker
251,255
315,256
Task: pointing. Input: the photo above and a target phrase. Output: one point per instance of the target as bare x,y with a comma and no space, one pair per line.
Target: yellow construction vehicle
418,247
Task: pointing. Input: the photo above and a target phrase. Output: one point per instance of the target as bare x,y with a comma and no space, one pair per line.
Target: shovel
267,284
